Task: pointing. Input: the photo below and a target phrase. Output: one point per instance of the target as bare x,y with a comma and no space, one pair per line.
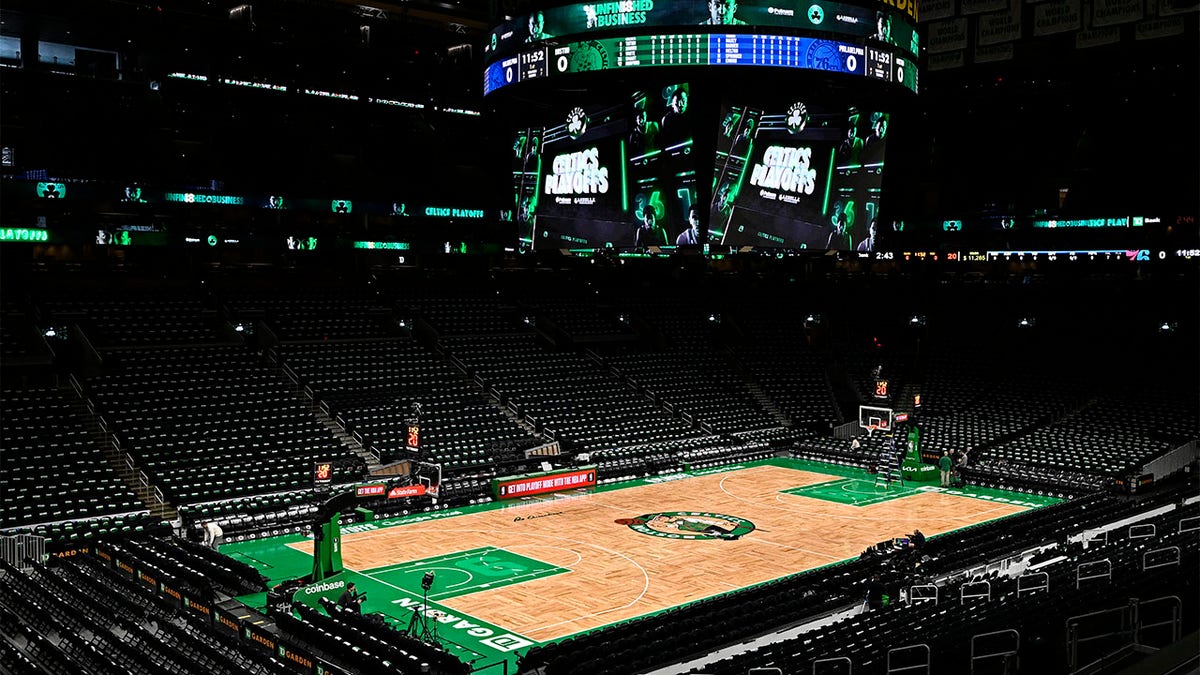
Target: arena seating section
156,414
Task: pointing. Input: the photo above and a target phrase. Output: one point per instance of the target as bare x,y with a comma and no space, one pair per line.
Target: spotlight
241,328
1027,322
1168,326
916,320
812,320
50,332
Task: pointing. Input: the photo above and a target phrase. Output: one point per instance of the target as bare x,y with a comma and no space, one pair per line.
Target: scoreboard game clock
322,473
881,388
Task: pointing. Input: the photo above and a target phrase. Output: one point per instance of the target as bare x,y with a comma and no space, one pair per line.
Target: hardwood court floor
616,573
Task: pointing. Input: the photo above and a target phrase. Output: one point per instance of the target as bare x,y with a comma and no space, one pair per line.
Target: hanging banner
1056,17
981,6
1097,37
994,53
999,27
1173,7
936,9
947,36
947,61
1158,28
1114,12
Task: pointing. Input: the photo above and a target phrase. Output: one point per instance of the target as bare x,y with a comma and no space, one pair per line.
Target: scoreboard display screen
798,175
893,25
616,175
702,49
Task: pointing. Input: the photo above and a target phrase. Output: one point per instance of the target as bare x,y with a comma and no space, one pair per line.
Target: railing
1038,581
1175,622
490,666
973,590
1100,537
1122,629
1144,531
545,450
1004,651
1171,558
915,598
830,661
17,548
1189,524
1080,571
847,431
903,650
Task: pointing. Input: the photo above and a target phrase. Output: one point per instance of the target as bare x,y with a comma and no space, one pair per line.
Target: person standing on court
212,534
945,464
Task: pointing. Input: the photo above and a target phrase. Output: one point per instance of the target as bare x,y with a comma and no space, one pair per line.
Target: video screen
884,24
798,175
615,176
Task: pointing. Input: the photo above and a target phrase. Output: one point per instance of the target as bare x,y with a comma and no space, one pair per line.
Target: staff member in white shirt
212,534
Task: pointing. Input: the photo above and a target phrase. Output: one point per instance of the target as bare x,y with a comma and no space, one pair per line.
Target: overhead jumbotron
627,133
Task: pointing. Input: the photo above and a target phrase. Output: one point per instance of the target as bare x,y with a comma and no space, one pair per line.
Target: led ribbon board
538,62
891,23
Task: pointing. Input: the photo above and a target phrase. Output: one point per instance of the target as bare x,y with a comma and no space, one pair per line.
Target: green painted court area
853,491
865,492
395,590
464,572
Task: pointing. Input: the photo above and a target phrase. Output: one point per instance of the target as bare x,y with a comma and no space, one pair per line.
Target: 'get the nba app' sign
512,487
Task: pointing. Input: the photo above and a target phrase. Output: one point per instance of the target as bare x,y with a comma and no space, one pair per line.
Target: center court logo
689,525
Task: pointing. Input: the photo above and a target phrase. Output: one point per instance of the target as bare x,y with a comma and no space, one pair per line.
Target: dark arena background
599,338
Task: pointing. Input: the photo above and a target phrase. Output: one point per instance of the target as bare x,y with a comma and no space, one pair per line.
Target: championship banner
511,487
998,28
948,36
1115,12
980,6
994,53
936,9
947,61
1097,37
1056,17
1158,28
1173,7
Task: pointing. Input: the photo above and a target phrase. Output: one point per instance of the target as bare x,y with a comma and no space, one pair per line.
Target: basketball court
508,575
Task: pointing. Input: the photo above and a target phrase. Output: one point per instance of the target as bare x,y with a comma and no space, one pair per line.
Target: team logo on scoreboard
797,117
577,122
689,525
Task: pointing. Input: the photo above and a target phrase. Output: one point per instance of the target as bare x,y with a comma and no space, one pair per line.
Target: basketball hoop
871,429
